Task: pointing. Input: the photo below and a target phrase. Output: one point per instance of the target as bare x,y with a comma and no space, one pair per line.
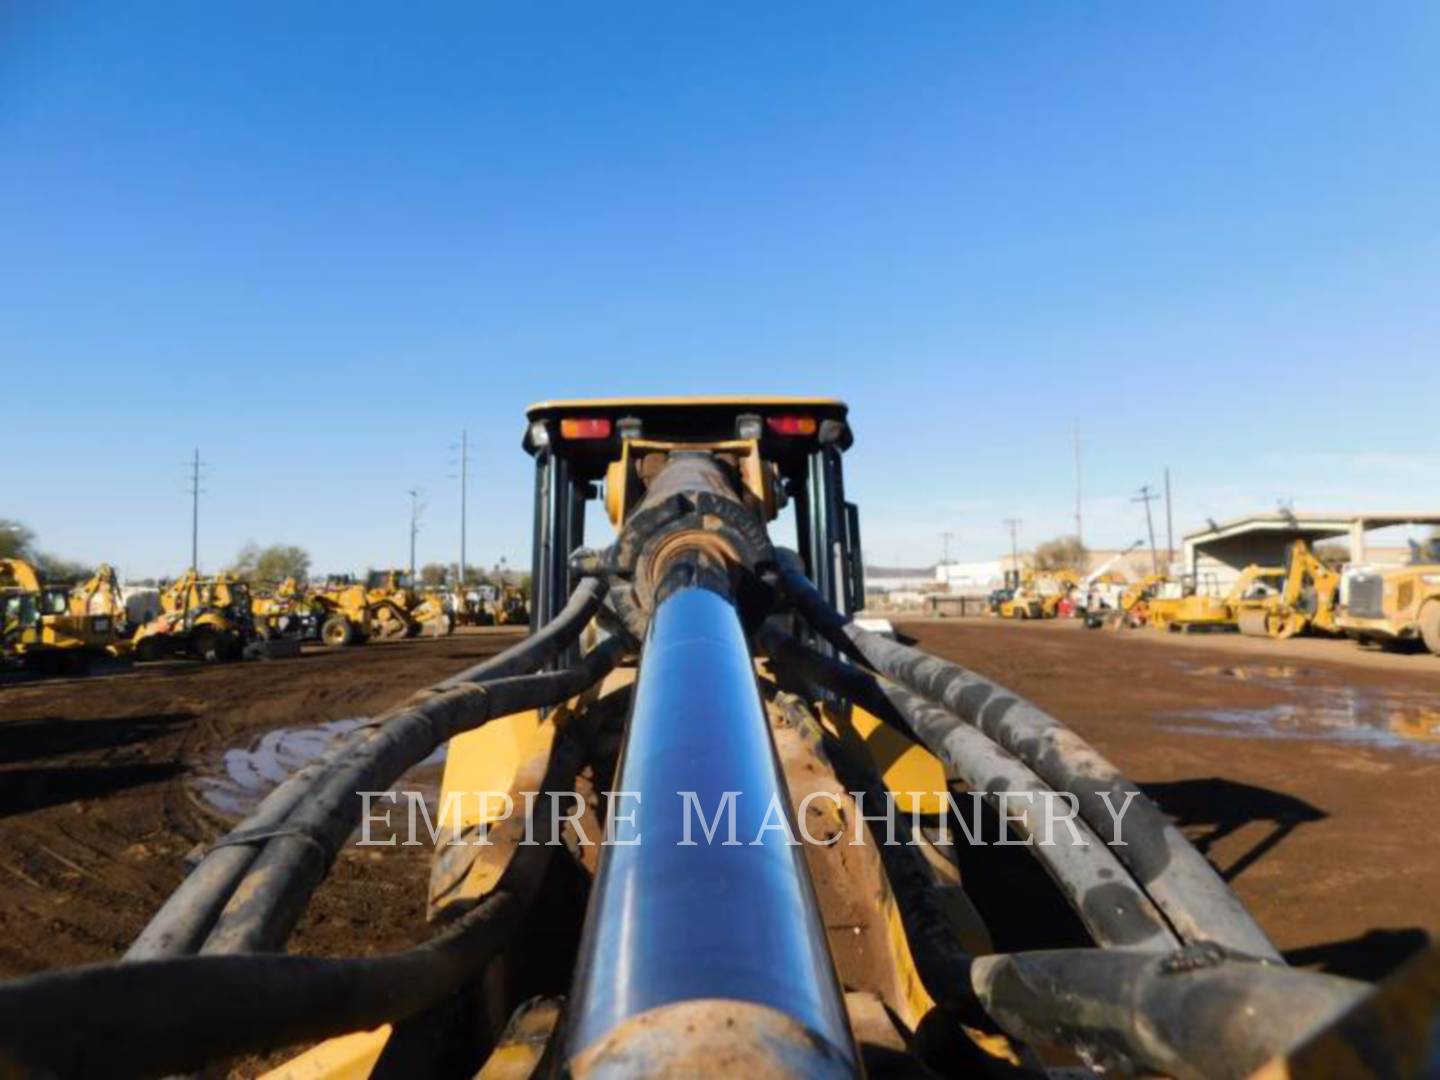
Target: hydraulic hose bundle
164,1010
697,953
1222,1004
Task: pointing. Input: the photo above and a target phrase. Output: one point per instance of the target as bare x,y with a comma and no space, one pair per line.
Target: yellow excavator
207,619
701,823
1304,600
56,629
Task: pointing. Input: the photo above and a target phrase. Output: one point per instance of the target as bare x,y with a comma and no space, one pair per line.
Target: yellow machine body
1306,600
204,618
56,625
863,922
1401,604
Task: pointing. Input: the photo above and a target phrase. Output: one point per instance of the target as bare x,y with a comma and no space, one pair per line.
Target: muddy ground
1307,771
101,796
1309,774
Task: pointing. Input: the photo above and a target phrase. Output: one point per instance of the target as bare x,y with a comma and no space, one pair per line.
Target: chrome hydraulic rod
703,913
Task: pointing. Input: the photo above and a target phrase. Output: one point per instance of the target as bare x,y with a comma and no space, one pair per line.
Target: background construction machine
1305,600
385,606
208,619
56,629
684,697
509,607
287,612
1398,604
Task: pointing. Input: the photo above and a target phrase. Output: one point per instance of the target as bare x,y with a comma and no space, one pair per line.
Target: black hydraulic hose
1113,908
1199,905
1193,1014
271,897
164,1016
181,924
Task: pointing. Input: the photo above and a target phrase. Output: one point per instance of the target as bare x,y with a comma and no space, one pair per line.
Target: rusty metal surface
711,1038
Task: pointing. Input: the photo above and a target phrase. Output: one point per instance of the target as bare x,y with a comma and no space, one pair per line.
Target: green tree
1062,553
60,571
273,564
432,574
15,539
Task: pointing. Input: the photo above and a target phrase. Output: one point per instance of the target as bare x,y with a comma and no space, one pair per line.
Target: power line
1013,524
1147,496
415,508
1079,525
1169,524
464,476
196,491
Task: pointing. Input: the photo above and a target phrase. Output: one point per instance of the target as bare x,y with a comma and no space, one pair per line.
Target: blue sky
318,239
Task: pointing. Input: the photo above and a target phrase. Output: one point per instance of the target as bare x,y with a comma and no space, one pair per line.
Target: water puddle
243,776
1364,716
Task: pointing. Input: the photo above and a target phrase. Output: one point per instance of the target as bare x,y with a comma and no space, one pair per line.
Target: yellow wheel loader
1305,601
206,619
55,629
1395,604
701,823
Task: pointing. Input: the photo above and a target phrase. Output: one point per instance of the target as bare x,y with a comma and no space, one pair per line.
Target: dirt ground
99,800
1308,772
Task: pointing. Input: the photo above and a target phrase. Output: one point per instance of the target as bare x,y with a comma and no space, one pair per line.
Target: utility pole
1079,525
464,484
1169,525
195,464
414,526
945,538
1013,524
1147,496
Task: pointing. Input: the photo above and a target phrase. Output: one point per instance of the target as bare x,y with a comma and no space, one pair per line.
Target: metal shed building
1217,553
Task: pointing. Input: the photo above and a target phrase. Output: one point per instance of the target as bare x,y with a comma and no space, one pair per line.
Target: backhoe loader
207,619
1304,600
701,823
288,612
56,629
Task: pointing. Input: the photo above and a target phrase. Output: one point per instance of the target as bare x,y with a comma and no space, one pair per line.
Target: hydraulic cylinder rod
692,931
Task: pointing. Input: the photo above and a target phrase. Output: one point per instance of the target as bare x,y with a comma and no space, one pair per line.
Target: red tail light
791,425
589,427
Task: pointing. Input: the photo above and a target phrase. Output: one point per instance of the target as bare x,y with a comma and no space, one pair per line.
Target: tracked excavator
699,822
